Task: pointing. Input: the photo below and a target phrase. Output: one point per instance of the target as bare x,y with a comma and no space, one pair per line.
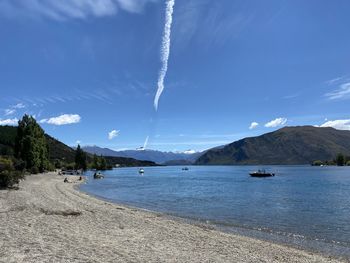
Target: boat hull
262,174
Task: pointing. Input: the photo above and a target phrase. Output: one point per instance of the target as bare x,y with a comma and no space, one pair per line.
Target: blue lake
303,206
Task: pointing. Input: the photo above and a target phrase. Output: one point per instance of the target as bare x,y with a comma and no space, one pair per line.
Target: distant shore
47,220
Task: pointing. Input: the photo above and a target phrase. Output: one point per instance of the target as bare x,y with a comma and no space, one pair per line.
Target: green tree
340,159
103,163
317,163
99,163
31,145
95,162
80,159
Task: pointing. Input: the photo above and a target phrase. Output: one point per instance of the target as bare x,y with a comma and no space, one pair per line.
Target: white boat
141,171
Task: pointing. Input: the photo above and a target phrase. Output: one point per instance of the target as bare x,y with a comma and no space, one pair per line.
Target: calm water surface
302,205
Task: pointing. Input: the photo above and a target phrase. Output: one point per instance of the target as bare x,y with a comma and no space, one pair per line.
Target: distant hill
289,145
147,155
59,150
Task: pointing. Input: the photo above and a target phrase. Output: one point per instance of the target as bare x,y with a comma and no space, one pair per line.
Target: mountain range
289,145
159,157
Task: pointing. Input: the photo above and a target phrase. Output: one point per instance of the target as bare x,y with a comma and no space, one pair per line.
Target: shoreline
51,221
308,245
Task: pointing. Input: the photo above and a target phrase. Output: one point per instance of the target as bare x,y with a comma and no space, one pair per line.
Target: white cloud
334,80
133,6
78,142
9,122
342,92
9,112
18,106
12,109
337,124
69,9
62,119
276,122
113,134
253,125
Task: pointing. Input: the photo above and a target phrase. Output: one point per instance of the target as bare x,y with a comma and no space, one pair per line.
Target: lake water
303,206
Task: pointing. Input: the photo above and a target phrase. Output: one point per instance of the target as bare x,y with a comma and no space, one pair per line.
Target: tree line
31,155
339,160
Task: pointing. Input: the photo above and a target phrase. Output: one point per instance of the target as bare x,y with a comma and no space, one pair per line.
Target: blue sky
88,70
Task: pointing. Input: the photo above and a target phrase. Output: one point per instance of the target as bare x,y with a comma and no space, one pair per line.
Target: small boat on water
185,169
261,173
98,175
141,171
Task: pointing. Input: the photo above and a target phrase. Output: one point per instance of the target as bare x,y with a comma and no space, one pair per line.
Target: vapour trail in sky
145,143
165,50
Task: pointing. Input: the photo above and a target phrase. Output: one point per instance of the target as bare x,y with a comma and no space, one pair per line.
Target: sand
47,220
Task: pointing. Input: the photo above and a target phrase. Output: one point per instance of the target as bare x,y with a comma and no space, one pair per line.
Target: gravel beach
46,220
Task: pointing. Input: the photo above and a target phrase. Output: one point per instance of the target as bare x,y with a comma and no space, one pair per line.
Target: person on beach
66,180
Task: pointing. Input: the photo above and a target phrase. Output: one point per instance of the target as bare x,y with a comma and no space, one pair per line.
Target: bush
6,164
8,175
34,170
348,163
19,165
10,178
51,167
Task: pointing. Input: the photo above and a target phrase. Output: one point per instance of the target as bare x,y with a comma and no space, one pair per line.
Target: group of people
67,181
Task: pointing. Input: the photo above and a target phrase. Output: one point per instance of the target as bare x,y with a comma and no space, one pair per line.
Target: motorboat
98,175
261,173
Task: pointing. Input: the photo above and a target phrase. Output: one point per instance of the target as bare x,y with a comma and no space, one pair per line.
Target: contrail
165,50
146,142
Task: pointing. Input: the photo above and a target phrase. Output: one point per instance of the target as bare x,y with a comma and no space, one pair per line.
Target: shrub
10,178
51,167
34,170
19,165
348,163
6,164
8,175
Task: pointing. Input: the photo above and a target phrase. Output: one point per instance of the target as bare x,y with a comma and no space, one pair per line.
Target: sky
124,74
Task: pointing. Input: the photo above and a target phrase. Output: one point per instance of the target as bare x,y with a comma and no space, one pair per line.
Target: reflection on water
309,206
